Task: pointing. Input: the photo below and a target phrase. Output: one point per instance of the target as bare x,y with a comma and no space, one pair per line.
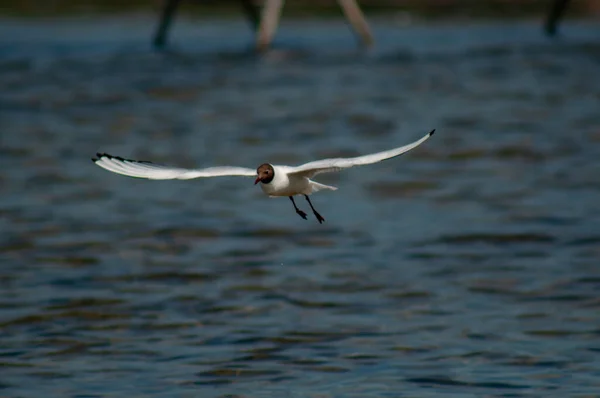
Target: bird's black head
264,174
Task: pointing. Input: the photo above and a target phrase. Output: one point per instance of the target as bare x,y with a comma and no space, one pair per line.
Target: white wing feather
329,165
143,169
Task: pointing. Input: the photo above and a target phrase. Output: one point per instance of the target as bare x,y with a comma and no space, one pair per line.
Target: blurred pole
556,12
170,6
165,22
268,24
271,14
357,20
252,13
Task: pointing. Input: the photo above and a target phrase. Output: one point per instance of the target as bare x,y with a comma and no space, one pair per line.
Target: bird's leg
316,213
300,212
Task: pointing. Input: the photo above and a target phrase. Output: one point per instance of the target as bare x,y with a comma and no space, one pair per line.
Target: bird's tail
316,187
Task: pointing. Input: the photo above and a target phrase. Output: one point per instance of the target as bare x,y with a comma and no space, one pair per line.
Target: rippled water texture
469,267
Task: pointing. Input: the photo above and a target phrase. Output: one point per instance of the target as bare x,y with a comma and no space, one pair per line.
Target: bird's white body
287,183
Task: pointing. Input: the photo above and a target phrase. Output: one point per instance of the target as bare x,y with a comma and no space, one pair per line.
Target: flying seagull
274,180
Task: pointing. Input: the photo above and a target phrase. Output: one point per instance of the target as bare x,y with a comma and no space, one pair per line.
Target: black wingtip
101,155
431,132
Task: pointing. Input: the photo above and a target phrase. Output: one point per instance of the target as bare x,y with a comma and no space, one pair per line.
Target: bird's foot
301,214
319,217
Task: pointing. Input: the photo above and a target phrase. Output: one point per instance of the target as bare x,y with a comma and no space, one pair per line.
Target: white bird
275,180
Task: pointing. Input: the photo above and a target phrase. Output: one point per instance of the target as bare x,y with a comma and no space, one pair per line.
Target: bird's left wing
152,171
329,165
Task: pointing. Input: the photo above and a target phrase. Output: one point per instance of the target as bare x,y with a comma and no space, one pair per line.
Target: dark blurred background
445,8
467,267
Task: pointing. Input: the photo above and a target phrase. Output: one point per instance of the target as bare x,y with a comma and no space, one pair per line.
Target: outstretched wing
143,169
329,165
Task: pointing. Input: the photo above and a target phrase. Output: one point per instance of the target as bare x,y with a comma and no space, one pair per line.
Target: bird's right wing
328,165
152,171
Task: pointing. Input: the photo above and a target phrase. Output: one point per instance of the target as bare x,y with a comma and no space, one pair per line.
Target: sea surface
469,267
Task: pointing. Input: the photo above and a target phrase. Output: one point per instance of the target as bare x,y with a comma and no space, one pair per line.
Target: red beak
257,180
